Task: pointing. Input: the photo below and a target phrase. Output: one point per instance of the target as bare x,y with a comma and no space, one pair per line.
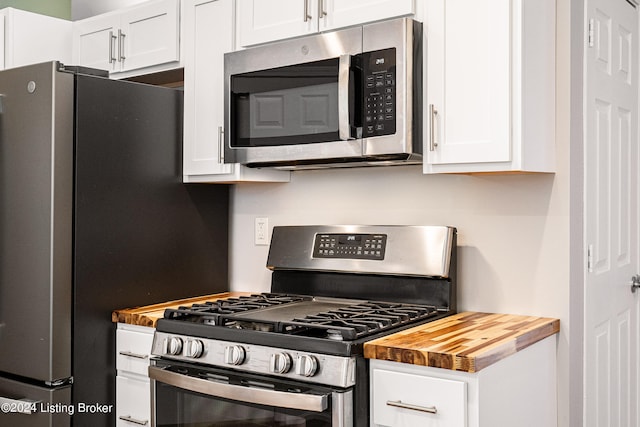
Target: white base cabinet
490,87
519,390
30,38
208,36
133,349
127,42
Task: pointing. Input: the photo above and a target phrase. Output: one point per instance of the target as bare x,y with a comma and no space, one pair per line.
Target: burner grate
213,312
359,320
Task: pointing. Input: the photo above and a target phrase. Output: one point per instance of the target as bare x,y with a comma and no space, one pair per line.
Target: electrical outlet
262,231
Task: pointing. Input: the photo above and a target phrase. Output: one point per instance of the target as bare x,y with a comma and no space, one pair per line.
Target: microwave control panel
350,246
379,78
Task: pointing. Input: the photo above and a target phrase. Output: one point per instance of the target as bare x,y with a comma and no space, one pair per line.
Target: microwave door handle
280,399
344,67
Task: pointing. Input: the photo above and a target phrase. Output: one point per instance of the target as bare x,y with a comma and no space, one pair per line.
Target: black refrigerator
93,217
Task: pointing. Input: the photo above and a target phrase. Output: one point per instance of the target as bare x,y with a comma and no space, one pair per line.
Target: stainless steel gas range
294,356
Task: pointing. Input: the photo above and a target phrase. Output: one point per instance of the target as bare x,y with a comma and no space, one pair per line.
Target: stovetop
337,319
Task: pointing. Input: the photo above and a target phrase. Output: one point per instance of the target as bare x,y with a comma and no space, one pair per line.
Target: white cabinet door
129,41
96,42
30,38
133,402
490,85
468,81
208,36
343,13
406,400
150,35
261,21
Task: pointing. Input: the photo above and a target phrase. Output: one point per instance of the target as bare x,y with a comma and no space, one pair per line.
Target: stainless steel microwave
350,97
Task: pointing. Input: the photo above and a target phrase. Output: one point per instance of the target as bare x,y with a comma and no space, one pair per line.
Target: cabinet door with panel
95,42
261,21
150,35
208,36
343,13
29,38
130,41
490,88
133,349
415,400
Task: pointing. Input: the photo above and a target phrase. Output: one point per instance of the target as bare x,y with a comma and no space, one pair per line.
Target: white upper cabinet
29,38
135,40
208,36
490,85
261,21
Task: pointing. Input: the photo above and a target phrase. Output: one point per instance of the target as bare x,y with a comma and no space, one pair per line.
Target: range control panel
379,68
350,246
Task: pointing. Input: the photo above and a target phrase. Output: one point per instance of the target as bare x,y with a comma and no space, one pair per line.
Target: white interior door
611,215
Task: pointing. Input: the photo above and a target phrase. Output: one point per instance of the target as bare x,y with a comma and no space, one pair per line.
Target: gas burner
212,312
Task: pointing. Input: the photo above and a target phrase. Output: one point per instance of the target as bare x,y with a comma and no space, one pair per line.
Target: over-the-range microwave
350,97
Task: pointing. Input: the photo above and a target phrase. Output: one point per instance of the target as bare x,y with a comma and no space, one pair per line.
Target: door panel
36,185
611,215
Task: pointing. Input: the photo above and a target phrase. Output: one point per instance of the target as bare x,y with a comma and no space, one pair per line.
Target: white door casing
611,365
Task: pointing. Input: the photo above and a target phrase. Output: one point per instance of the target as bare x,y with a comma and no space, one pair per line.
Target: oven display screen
350,246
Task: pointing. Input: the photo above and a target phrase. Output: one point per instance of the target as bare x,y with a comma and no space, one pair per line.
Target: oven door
189,395
294,101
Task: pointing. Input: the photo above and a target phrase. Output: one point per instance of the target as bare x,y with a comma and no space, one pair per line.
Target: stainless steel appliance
294,356
344,98
93,217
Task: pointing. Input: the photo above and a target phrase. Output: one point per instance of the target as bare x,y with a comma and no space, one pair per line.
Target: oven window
179,407
290,105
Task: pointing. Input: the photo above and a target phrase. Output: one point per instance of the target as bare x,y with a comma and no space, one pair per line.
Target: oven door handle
281,399
344,67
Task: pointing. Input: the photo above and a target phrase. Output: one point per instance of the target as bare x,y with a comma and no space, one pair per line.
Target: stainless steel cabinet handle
136,355
343,97
129,419
321,10
220,145
307,17
112,37
399,404
260,396
19,406
121,37
433,113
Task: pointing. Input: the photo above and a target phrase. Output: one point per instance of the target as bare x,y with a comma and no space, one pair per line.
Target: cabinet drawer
133,404
402,400
132,351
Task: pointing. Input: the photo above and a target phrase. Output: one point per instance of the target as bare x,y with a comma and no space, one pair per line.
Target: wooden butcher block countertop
465,342
148,315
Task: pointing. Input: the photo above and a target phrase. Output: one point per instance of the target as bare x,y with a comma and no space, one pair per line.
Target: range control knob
280,363
234,355
307,365
173,346
194,348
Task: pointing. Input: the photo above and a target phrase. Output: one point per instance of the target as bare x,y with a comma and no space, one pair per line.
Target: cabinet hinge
591,32
590,258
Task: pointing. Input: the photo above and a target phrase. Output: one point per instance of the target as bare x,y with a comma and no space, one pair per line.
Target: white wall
513,230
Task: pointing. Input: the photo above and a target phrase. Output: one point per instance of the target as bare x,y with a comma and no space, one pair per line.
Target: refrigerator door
25,405
36,199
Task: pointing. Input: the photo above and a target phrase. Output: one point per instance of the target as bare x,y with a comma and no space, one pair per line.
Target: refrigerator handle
19,406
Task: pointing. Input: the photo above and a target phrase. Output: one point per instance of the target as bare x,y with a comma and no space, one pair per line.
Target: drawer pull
137,356
133,420
399,404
